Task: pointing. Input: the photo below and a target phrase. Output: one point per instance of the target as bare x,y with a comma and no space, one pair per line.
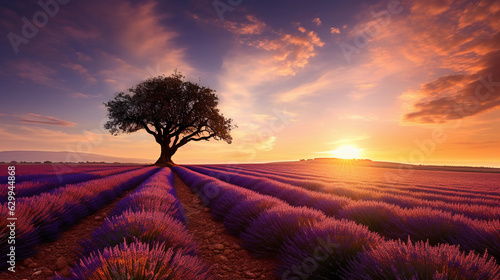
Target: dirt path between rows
61,254
218,249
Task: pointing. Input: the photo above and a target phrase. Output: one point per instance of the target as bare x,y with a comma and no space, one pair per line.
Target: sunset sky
411,81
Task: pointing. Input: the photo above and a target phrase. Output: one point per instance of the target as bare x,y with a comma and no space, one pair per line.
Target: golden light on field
347,152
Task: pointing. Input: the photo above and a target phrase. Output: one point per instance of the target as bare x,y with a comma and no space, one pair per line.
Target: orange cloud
292,52
459,96
307,89
77,95
35,72
365,86
253,26
475,52
334,30
46,120
431,7
137,30
458,40
317,21
141,31
81,70
145,41
83,57
77,67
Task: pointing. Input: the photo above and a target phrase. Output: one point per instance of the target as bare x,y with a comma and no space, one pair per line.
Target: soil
220,250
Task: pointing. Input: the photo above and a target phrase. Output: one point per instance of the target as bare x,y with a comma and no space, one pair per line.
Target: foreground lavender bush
243,214
155,194
139,261
157,200
374,214
399,260
265,235
320,252
420,226
147,227
26,238
223,204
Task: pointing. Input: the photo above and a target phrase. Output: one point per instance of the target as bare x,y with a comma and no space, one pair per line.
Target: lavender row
143,238
358,192
30,172
43,217
311,245
391,221
48,183
471,211
422,192
144,212
485,184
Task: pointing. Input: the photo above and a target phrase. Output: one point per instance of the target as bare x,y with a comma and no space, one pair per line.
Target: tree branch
203,138
147,128
176,139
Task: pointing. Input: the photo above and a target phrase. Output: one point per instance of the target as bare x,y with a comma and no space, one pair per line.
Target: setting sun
347,152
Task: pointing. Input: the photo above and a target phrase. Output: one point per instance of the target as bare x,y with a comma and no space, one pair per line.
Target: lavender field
313,221
250,140
345,222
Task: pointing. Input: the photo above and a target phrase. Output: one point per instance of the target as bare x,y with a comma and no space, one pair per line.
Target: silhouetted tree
173,110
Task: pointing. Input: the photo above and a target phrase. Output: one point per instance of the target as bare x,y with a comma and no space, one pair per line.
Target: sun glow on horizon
347,152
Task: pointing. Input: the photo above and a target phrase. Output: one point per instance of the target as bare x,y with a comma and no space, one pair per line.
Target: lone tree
173,110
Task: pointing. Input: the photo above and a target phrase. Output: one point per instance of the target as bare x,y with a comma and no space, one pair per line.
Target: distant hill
41,156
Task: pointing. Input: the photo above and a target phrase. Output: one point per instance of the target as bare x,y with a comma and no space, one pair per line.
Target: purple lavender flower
147,227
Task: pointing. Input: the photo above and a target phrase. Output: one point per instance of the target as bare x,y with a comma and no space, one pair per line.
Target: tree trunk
165,158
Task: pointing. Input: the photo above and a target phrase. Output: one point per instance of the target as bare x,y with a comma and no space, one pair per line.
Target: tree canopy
171,109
